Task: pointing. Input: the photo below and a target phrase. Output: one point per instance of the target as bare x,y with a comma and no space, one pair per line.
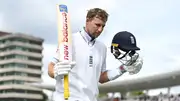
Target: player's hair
97,12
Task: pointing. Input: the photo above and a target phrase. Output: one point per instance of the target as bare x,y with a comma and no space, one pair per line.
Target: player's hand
63,68
134,67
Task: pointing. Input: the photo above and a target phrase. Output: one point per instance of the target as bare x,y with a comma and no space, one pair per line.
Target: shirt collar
86,36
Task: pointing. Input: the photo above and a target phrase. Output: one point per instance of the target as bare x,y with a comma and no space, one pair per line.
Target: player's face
95,26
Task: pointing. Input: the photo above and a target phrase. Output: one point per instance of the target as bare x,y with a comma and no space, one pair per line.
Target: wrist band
114,73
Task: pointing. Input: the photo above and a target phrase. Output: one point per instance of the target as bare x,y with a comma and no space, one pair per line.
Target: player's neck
86,30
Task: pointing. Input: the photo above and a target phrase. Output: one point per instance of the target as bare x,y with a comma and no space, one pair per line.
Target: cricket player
89,60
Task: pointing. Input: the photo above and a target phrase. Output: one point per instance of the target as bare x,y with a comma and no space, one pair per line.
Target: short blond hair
97,12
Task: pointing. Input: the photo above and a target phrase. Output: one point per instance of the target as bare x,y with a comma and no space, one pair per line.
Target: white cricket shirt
90,58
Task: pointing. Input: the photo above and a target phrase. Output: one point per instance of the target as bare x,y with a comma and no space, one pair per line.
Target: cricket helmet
124,44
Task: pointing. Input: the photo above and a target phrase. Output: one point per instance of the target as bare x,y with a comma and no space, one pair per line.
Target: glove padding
63,68
135,67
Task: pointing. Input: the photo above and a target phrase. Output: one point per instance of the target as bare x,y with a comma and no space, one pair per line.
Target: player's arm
103,77
52,63
111,74
51,69
108,75
57,68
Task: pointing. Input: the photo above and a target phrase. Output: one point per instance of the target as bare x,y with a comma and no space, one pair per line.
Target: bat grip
66,87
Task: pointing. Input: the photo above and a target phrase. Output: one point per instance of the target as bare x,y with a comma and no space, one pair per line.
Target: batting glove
133,68
63,68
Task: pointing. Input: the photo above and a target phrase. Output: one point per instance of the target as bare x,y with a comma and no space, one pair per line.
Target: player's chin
96,36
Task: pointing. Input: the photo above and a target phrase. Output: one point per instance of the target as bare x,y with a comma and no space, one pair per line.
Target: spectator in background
117,96
160,98
110,96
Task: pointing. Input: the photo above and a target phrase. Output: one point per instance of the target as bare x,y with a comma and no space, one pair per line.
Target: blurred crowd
160,97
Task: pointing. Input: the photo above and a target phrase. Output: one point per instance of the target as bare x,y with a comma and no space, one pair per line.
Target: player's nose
100,29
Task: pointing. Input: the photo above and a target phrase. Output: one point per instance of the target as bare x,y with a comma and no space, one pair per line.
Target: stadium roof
150,82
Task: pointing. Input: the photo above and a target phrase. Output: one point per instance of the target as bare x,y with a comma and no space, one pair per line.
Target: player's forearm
111,74
103,77
51,70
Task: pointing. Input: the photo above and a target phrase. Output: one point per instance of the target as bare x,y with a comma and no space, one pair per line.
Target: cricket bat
64,41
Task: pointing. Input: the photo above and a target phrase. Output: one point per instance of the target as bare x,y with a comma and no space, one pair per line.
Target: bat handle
66,87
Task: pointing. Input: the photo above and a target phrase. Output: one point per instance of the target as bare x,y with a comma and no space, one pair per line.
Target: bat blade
64,41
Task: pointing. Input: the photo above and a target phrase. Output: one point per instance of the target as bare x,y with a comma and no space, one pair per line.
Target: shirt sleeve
103,68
